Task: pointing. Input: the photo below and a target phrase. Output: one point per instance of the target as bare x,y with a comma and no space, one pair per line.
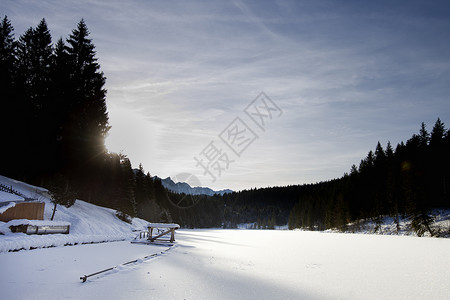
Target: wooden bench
160,230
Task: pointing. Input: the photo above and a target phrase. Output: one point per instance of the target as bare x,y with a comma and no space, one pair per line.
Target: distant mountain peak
183,187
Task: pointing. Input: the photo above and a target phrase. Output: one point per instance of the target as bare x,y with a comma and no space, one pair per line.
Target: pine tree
34,56
42,59
59,106
447,138
86,124
145,203
88,119
438,165
124,185
129,201
380,155
140,192
7,58
438,133
424,136
389,151
61,192
24,109
367,163
43,137
9,110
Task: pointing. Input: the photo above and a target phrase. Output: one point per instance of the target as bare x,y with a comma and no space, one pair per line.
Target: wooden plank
163,225
40,229
24,210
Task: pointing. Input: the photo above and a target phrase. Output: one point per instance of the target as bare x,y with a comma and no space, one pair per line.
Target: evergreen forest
406,182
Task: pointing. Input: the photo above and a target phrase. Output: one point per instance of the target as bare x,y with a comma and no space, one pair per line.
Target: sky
245,94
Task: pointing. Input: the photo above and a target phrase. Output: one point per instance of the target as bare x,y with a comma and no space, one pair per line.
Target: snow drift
88,223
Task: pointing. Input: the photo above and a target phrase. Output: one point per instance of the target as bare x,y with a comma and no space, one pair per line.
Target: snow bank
28,190
387,225
163,225
7,197
18,222
6,207
89,223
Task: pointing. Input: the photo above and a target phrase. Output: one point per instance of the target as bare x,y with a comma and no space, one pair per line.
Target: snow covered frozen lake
236,264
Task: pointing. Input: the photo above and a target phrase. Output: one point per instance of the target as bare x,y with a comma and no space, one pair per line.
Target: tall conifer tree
8,112
438,133
34,55
7,56
86,125
90,82
89,118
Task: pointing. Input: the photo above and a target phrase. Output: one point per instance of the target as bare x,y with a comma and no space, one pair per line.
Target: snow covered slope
89,223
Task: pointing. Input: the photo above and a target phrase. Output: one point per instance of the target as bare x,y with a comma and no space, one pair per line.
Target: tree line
406,182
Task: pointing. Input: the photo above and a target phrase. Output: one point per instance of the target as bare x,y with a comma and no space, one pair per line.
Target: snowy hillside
88,223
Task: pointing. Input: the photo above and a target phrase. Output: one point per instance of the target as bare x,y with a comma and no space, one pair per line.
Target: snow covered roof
8,197
25,189
163,225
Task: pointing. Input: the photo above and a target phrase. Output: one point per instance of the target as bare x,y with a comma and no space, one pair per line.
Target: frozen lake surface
237,264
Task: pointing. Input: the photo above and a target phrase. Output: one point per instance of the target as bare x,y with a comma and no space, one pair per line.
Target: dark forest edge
405,183
54,123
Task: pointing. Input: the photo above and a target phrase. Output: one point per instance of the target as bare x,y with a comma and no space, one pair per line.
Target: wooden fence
10,190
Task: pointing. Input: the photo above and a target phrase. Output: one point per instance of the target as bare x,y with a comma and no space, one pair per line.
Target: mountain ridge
183,187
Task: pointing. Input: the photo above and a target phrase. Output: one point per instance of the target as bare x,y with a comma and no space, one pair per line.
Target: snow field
237,264
54,273
312,265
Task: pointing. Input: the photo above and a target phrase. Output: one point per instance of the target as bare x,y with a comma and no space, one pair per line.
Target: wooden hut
16,207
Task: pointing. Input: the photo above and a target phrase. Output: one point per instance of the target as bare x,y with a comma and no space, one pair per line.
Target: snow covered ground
388,226
237,264
88,223
215,263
